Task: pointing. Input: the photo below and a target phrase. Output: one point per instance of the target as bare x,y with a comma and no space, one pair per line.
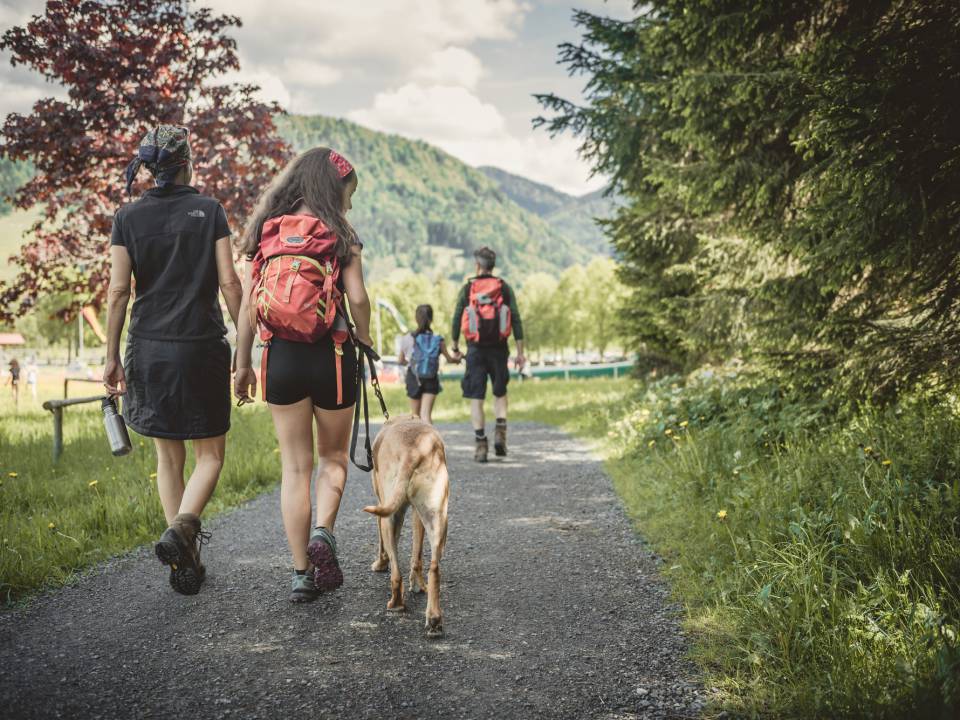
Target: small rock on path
552,606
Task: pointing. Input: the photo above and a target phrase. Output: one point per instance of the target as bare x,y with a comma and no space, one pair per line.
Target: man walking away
487,314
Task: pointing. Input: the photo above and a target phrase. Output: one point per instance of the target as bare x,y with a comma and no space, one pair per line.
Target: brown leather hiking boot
480,453
500,440
179,547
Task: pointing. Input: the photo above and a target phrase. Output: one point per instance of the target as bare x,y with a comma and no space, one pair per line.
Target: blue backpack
425,361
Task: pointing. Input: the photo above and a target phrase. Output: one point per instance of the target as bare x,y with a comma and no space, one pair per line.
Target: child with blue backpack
420,351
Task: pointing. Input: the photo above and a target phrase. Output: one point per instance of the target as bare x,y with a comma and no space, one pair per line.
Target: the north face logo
196,213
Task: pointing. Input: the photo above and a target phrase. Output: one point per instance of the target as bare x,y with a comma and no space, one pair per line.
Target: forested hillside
571,217
421,208
12,176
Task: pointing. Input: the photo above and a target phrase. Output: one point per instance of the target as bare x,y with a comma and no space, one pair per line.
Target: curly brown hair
311,178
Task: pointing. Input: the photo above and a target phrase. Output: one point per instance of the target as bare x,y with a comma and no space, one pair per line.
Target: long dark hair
424,316
312,178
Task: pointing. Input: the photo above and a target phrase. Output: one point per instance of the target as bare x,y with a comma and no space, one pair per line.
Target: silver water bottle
116,428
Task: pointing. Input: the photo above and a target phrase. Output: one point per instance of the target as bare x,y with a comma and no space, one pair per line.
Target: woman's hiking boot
480,452
322,551
304,589
179,547
500,439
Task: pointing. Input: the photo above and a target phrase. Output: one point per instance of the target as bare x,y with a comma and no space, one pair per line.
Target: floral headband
343,167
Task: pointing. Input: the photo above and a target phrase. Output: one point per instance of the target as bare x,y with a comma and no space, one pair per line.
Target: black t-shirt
171,236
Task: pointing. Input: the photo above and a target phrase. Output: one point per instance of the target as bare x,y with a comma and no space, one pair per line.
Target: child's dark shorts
417,388
485,361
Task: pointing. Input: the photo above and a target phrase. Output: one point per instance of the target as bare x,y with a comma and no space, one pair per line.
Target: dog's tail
396,501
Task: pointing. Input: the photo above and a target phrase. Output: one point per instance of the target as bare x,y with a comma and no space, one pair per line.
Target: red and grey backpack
295,295
486,318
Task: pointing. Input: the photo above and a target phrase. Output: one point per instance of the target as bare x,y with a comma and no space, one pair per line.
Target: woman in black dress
175,377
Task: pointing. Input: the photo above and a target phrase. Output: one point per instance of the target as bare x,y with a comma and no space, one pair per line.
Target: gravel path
552,608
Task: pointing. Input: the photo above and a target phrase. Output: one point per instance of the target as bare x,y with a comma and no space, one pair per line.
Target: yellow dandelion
92,483
52,526
11,474
867,450
668,431
276,451
153,476
721,514
887,462
684,424
651,443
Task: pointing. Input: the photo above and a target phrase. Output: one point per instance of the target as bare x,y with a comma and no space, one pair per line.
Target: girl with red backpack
420,351
304,262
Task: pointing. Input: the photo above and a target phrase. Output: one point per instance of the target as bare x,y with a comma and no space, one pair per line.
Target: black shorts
416,388
177,390
485,361
303,370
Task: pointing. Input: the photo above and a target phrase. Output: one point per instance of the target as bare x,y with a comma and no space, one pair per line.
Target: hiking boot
179,547
500,440
303,589
480,453
322,551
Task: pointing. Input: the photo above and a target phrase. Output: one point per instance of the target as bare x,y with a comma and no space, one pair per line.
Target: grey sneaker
322,552
303,589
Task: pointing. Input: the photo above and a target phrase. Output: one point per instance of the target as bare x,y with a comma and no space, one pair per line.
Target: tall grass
819,559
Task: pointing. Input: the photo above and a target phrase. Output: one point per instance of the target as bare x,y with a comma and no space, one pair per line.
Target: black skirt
177,390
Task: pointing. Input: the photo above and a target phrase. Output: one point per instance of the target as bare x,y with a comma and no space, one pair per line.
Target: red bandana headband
343,167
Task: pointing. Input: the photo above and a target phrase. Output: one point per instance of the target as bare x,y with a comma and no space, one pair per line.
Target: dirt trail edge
552,608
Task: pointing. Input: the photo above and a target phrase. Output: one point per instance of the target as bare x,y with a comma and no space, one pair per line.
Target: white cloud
458,121
451,66
435,112
310,73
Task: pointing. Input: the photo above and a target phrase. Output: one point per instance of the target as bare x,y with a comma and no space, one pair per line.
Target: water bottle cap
107,402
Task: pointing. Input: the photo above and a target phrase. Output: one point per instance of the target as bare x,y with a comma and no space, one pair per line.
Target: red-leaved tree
126,65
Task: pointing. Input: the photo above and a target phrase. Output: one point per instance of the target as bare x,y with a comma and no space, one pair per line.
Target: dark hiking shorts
485,361
177,390
303,370
417,388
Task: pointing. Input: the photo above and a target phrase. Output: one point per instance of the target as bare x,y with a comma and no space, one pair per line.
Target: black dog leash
371,356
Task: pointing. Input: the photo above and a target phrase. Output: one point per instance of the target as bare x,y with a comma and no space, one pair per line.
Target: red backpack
486,319
295,295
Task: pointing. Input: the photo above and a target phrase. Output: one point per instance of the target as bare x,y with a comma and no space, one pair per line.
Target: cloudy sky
456,73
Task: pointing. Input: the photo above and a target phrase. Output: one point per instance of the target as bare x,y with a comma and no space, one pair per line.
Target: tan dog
410,468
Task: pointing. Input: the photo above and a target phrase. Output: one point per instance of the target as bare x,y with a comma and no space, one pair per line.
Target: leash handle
371,356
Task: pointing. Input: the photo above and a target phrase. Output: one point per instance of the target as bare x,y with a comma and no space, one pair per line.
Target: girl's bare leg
415,406
333,444
426,408
294,426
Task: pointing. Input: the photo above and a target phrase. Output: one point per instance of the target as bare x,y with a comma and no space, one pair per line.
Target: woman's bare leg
209,453
294,426
171,455
426,408
333,445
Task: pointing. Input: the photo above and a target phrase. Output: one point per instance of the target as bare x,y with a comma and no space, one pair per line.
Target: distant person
420,351
32,372
14,382
299,239
176,373
487,314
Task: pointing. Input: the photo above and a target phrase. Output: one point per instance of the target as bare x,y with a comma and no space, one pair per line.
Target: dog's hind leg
417,582
381,562
390,534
